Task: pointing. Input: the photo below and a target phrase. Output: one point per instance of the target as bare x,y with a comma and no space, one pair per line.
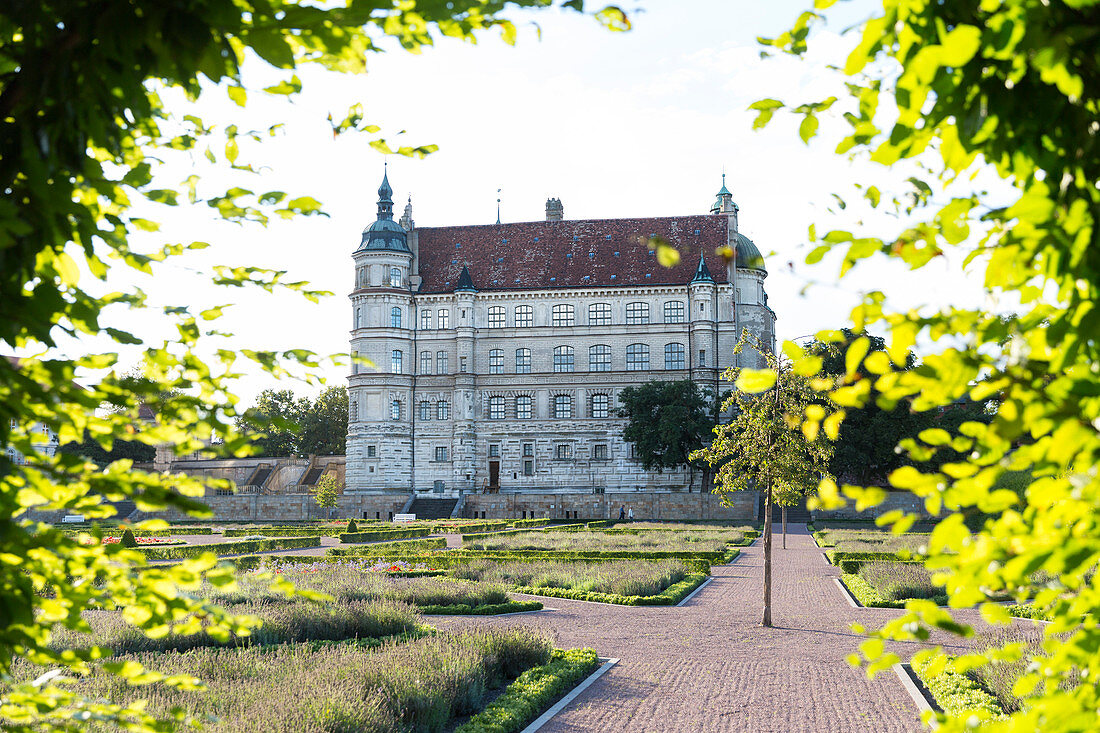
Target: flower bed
143,540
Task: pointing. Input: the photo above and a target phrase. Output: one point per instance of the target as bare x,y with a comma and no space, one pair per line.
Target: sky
614,124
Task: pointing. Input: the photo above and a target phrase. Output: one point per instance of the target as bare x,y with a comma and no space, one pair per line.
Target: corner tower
380,383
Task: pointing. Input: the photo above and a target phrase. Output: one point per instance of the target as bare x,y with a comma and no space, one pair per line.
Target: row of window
599,359
523,408
562,315
562,452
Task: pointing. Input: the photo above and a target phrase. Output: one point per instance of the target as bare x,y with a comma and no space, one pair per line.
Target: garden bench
72,519
404,518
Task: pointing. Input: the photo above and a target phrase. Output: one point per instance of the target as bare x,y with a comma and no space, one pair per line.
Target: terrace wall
646,505
902,500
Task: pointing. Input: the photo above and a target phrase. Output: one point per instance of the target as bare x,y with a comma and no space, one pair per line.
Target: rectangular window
674,311
599,314
425,410
702,357
524,316
462,364
353,412
441,366
599,452
425,320
523,361
674,356
496,408
494,451
524,407
600,406
563,407
443,410
372,451
599,358
496,361
496,316
425,362
563,358
637,313
440,453
444,319
563,315
528,468
396,357
528,450
563,451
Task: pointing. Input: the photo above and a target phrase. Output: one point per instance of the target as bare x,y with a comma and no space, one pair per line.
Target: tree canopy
86,146
285,425
964,93
666,421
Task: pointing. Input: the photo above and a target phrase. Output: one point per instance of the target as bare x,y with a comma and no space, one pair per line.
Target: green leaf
808,128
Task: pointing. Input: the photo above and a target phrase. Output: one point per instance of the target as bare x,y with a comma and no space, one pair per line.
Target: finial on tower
498,206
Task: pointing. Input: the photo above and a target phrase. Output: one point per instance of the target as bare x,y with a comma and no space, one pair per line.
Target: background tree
325,424
666,421
991,109
85,141
764,446
326,493
285,425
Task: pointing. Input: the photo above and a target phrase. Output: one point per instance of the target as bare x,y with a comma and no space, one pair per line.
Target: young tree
991,109
86,145
666,421
764,446
327,492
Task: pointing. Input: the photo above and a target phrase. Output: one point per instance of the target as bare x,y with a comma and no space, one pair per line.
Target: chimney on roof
554,210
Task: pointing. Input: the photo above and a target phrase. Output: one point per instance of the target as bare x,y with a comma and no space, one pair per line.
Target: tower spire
498,206
385,196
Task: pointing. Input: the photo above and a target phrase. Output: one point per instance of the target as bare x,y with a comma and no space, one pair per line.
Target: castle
489,358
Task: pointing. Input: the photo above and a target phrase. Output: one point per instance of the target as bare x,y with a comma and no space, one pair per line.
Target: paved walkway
709,666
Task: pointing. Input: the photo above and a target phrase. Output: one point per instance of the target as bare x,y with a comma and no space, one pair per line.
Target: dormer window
395,277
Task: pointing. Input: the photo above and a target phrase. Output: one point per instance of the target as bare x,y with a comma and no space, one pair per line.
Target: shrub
231,548
128,539
352,529
898,581
377,535
957,693
389,549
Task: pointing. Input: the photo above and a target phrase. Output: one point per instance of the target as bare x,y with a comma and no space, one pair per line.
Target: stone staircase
432,508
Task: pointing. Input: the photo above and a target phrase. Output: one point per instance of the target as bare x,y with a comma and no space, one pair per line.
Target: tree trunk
767,621
784,528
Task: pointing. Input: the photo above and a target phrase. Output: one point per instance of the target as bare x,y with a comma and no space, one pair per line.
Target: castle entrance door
494,474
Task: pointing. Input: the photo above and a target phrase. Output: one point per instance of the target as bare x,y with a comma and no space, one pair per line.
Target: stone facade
647,505
490,358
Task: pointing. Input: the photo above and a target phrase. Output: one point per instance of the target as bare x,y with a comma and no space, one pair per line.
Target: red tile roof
586,253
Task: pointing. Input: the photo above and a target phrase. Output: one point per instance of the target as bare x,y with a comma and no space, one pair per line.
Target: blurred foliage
86,139
965,95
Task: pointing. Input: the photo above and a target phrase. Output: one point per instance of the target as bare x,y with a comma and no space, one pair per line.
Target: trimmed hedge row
451,558
533,692
252,562
713,557
957,693
508,532
668,597
170,532
598,524
851,567
230,548
868,595
390,550
492,609
385,534
283,531
838,556
521,523
477,527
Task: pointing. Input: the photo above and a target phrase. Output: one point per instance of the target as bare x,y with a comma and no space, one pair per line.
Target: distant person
630,515
622,512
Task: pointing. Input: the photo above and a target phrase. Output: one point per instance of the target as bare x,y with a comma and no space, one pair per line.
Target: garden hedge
472,526
230,548
521,523
171,531
713,557
492,609
868,595
668,597
473,537
283,531
533,692
956,693
377,535
451,558
252,562
390,550
838,556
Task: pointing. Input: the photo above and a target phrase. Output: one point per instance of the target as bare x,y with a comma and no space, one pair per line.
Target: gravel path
709,666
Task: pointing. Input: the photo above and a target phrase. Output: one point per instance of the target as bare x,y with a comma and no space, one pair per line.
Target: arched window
425,362
395,410
563,406
563,315
599,314
674,356
496,408
496,361
358,317
425,410
496,316
443,410
395,277
396,357
395,317
599,358
637,358
600,406
563,358
524,316
523,407
523,361
674,311
637,313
